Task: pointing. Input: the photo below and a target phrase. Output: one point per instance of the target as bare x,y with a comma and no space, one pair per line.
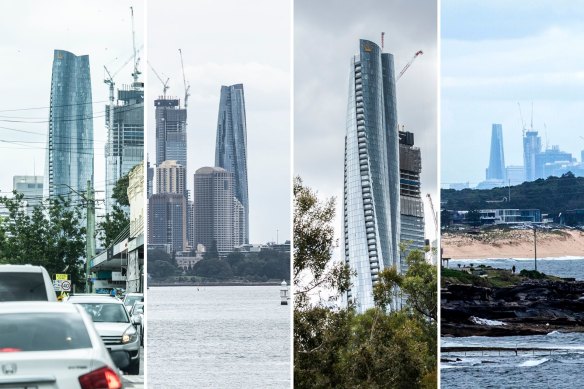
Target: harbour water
218,337
542,369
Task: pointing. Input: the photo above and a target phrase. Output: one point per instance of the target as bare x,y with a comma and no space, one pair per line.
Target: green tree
213,268
116,221
211,252
314,242
51,236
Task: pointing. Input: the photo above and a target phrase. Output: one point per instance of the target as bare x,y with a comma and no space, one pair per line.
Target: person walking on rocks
513,269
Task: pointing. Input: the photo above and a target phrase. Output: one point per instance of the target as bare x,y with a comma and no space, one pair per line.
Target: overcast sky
225,43
496,54
326,36
31,31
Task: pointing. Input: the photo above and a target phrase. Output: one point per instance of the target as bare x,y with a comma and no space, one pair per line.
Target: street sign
57,285
61,276
66,286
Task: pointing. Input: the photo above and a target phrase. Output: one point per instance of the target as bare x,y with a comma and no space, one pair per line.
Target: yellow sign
61,276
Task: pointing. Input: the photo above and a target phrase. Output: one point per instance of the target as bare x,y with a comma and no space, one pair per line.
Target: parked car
52,345
137,315
113,324
131,298
25,283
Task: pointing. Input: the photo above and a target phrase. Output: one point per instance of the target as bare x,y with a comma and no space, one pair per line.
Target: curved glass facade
371,182
231,147
69,155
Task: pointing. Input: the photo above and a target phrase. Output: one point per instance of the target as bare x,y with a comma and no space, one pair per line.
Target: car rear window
26,286
130,300
106,312
42,332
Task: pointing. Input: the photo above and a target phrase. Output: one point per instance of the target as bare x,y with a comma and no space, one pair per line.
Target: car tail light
100,379
9,350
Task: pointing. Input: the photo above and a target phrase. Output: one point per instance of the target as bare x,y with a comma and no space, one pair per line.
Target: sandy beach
495,243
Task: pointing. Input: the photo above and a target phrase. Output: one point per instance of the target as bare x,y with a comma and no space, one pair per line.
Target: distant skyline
326,36
250,45
532,56
102,30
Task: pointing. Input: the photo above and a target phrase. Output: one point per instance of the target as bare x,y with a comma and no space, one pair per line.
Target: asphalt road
136,381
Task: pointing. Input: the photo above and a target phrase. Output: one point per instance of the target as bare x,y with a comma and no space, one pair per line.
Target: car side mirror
136,320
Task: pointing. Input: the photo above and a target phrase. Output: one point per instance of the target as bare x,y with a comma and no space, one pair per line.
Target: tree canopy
50,236
337,347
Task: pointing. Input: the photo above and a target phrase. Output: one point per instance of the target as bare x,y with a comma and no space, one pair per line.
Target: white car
115,327
25,283
52,345
131,298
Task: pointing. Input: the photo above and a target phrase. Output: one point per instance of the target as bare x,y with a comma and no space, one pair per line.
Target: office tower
515,175
149,180
167,224
231,144
496,169
32,189
531,147
551,161
411,205
124,149
371,180
171,178
171,131
69,155
213,201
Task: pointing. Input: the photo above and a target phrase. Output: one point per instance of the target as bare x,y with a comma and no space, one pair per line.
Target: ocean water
557,369
218,337
567,267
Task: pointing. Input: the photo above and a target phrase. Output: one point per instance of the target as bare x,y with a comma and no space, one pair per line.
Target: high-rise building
69,155
411,205
531,147
32,189
550,162
149,180
231,145
213,202
515,175
167,224
496,169
171,178
171,131
125,141
371,228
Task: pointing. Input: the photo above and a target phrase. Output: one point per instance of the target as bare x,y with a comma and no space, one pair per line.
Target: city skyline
528,59
259,61
80,31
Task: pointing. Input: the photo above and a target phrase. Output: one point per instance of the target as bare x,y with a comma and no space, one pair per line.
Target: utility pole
535,247
90,235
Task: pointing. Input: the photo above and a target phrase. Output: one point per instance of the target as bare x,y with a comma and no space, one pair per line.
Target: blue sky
496,54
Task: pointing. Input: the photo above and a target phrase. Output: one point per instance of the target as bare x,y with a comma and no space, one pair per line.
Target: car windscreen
42,332
106,312
26,286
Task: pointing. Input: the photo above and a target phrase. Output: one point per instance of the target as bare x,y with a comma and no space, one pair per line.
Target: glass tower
69,155
496,169
371,228
231,147
531,147
171,131
125,145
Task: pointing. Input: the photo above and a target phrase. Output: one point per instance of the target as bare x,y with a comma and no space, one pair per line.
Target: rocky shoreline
532,307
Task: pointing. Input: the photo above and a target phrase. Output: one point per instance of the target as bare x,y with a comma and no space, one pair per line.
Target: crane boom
136,72
187,86
165,86
418,53
433,213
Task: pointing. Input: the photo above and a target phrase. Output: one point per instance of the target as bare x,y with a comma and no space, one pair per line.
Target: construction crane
433,213
136,72
109,80
187,86
165,86
521,116
418,53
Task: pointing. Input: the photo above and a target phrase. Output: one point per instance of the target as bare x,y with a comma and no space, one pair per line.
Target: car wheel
134,367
